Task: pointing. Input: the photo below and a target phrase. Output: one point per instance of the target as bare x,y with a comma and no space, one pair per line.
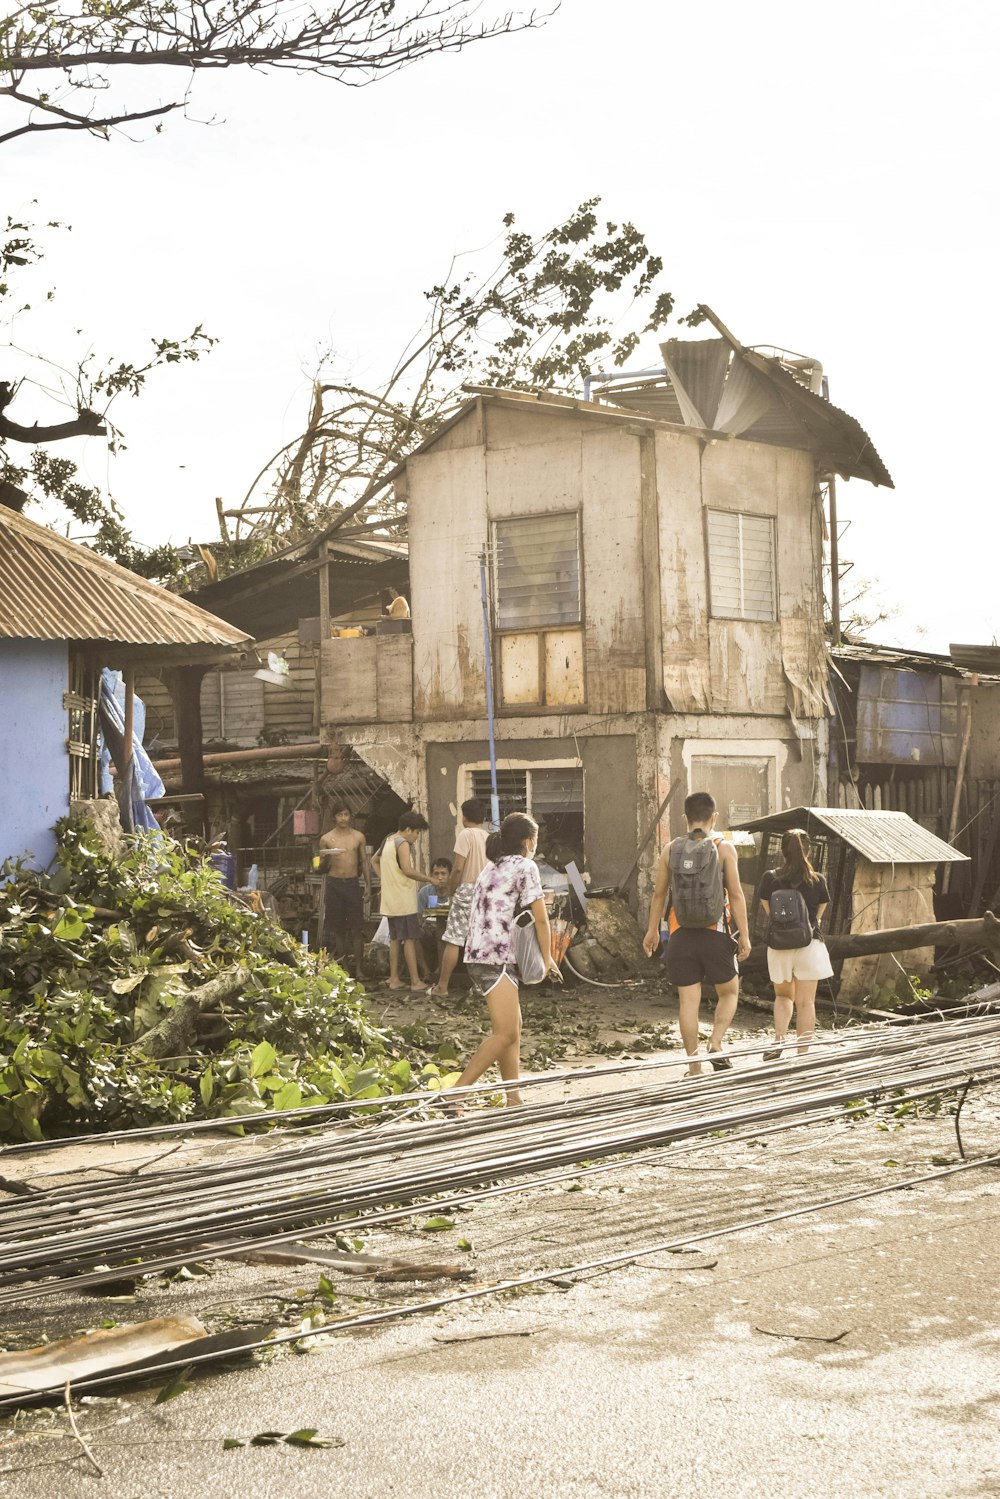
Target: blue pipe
494,798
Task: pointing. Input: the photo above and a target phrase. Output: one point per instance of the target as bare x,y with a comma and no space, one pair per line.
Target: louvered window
538,572
554,797
741,565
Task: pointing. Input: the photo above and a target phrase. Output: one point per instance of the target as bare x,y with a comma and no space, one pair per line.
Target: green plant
95,954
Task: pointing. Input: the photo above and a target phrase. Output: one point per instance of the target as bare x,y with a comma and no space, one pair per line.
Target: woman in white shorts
795,972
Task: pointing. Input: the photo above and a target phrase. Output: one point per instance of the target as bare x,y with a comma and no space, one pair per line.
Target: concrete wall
797,771
526,465
34,787
648,624
611,792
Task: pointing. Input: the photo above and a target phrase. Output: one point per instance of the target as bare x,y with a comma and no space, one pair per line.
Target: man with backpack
698,883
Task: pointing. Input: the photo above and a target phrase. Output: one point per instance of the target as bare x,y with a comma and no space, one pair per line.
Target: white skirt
812,962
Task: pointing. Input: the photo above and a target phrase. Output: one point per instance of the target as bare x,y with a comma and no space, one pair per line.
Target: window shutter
741,565
537,565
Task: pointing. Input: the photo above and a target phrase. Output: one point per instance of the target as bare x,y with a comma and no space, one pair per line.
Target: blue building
66,613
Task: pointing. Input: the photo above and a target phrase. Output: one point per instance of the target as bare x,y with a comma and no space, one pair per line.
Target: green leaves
72,924
179,1385
77,989
306,1436
437,1225
263,1059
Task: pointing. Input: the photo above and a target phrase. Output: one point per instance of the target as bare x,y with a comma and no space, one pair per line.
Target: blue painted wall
34,769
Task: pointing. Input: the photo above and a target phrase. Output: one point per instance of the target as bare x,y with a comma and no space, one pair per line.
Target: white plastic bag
382,933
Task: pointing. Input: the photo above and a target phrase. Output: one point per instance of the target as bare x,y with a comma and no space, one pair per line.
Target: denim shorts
486,976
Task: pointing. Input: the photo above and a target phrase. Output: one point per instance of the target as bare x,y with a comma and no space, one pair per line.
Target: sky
824,177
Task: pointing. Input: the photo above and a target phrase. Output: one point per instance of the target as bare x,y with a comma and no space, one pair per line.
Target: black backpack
789,925
696,888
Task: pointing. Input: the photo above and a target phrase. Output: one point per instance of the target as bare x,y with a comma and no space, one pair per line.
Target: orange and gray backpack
697,893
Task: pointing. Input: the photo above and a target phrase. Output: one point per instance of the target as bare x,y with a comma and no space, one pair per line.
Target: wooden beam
981,932
185,690
129,678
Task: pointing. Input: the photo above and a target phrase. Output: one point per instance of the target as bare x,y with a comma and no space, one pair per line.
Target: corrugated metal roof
54,589
881,837
981,658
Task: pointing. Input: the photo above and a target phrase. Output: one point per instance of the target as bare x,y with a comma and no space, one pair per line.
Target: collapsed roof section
718,385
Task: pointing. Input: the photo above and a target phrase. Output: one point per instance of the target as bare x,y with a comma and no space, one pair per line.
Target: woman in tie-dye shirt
508,885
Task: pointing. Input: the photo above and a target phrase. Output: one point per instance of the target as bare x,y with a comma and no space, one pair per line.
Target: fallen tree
980,932
983,931
110,962
175,1033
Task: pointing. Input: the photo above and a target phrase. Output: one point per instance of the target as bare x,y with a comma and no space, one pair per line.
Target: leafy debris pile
135,991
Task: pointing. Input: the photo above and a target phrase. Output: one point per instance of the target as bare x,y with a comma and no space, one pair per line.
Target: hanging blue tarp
143,779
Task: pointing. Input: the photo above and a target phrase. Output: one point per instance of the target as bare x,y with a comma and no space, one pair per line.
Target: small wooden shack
64,614
880,867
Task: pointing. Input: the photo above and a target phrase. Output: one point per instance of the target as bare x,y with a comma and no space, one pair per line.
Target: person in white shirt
470,861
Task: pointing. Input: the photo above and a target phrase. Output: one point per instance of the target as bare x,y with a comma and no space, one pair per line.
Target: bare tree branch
57,58
540,316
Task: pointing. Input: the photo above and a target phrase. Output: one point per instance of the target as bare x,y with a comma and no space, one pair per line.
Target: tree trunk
982,932
174,1034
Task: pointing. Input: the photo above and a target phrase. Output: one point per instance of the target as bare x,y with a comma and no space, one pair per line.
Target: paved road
854,1353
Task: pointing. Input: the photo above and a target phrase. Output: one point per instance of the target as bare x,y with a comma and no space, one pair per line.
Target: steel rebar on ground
189,1360
55,1240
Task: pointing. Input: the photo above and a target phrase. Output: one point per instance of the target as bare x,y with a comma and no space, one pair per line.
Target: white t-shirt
470,845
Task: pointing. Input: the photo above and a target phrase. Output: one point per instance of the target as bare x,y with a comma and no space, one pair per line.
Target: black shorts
345,908
698,955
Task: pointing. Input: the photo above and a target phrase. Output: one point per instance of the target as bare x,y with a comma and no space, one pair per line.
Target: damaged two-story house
654,605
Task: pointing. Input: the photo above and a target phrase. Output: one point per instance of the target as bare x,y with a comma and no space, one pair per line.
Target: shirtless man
343,856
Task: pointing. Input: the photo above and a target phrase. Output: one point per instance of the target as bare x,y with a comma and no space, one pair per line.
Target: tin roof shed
880,837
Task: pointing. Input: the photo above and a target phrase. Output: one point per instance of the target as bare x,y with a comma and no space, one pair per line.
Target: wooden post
963,756
324,632
185,690
831,489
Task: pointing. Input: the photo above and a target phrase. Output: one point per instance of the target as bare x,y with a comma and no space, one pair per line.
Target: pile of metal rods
73,1237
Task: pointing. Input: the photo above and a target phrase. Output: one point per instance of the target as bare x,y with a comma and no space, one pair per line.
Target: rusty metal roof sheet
981,658
54,589
880,837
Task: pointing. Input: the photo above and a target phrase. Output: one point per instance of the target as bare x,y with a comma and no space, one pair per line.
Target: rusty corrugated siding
55,589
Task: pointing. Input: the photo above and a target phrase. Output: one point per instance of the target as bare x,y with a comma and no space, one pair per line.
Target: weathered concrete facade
648,684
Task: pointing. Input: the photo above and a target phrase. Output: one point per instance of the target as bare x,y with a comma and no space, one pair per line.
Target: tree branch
352,42
84,424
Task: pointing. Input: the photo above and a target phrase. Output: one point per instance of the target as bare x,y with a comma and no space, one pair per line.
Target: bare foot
694,1069
395,987
441,993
